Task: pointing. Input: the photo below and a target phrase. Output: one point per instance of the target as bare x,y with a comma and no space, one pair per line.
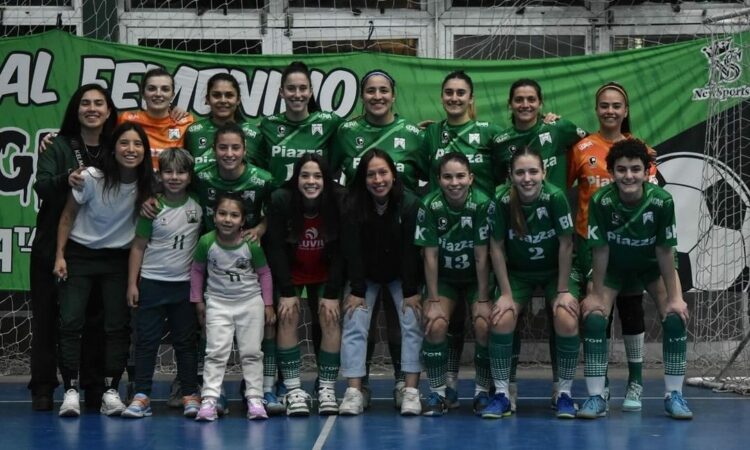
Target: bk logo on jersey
317,128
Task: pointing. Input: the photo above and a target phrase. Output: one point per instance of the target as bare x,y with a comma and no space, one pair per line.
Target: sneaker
451,398
565,407
481,400
327,405
207,411
255,409
436,405
71,405
111,403
175,395
498,407
272,404
297,403
398,394
632,400
410,404
513,395
594,406
222,405
281,390
353,402
41,402
675,406
191,404
139,407
366,396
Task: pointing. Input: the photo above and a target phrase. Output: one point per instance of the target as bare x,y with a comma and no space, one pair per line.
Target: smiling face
457,98
228,219
223,100
379,179
230,152
455,181
158,93
525,105
93,110
175,180
611,109
378,98
296,92
310,181
527,175
629,175
129,150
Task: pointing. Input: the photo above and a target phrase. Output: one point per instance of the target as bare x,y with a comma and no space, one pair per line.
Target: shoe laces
677,398
326,393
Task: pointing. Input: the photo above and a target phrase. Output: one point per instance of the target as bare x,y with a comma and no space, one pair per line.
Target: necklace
92,156
380,209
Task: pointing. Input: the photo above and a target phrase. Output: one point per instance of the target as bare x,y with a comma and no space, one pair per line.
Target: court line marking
324,433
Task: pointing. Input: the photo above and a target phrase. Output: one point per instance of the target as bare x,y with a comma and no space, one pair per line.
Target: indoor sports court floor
721,422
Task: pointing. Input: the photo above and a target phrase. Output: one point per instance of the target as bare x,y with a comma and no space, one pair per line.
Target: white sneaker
71,406
297,403
513,396
398,393
111,403
410,404
327,405
352,404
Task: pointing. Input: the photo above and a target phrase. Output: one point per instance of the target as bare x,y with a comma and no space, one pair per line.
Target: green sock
567,356
435,357
595,345
454,350
515,355
482,364
268,346
674,345
289,362
328,366
501,355
634,354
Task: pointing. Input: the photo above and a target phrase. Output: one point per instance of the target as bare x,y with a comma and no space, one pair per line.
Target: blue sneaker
140,407
222,407
436,405
498,408
272,404
594,406
565,407
481,400
676,406
451,398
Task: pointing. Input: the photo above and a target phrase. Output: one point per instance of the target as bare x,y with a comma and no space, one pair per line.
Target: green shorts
583,261
457,292
523,285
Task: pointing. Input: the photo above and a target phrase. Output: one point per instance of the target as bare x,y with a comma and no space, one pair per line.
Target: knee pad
630,308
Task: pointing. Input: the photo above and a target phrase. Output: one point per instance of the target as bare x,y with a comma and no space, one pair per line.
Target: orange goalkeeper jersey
162,133
587,164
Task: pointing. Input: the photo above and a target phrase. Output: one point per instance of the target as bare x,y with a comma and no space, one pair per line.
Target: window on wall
349,4
518,46
514,3
26,30
36,3
227,46
631,42
197,4
394,46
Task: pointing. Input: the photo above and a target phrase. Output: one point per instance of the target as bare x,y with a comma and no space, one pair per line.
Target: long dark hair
144,171
521,83
300,67
625,126
517,217
360,206
71,125
221,76
328,207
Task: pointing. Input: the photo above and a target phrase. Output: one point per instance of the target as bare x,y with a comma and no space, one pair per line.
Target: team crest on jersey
466,222
202,142
445,137
648,216
541,212
473,138
592,161
280,131
420,215
211,194
545,137
442,224
359,142
248,195
173,133
242,263
317,128
192,215
616,219
399,143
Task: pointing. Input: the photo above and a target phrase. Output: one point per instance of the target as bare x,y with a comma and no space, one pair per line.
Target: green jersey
199,141
547,218
551,140
632,232
254,186
285,141
472,139
454,232
355,137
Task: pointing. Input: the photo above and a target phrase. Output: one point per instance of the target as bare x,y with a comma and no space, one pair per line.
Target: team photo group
223,231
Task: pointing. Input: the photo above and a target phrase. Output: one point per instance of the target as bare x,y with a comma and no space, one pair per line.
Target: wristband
564,292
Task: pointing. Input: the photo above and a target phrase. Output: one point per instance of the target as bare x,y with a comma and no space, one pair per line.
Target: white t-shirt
104,220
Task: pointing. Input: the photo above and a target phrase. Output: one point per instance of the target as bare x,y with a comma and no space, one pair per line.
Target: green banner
668,88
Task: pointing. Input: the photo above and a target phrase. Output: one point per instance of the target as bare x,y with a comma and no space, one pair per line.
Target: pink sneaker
207,413
255,409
